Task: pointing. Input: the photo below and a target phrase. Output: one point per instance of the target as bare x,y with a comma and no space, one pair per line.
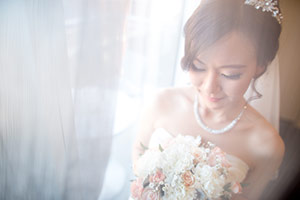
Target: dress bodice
237,171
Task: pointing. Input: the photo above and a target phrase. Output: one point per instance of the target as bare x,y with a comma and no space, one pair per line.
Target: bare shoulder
166,99
264,138
265,149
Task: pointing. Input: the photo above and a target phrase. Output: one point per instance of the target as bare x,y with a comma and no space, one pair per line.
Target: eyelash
232,77
197,69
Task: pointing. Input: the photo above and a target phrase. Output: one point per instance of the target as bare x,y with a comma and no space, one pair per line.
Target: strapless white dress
237,172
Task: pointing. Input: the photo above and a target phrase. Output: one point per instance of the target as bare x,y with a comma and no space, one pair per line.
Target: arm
150,115
144,131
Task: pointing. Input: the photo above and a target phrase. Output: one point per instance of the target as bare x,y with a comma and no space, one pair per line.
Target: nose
211,84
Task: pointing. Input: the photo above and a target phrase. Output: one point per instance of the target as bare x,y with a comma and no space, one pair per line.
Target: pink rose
188,178
157,177
198,156
136,188
215,154
236,187
225,162
150,194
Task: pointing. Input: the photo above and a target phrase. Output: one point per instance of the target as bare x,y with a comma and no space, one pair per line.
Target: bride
228,45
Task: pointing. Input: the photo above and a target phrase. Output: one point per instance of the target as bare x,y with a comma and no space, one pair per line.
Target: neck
213,130
221,114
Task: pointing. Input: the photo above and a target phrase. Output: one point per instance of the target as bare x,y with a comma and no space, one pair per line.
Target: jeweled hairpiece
268,6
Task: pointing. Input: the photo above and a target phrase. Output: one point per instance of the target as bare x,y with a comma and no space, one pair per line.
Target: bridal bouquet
184,168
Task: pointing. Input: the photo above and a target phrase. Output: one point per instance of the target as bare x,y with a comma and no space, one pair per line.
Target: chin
215,105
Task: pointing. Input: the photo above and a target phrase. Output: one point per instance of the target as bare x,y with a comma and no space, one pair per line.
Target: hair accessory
215,131
267,5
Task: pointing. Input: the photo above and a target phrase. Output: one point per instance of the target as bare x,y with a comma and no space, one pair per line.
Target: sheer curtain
38,145
97,68
57,96
151,53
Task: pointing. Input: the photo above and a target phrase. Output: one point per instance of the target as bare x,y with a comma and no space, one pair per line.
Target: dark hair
213,19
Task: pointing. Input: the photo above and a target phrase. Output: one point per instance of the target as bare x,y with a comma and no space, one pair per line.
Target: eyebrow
235,66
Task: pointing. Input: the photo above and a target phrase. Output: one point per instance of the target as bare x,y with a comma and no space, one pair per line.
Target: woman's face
223,72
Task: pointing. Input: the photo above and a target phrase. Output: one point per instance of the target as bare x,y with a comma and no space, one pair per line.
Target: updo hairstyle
214,19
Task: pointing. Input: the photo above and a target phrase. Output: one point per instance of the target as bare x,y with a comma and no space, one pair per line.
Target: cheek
195,78
237,88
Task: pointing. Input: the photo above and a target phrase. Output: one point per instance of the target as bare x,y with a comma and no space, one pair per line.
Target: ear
260,70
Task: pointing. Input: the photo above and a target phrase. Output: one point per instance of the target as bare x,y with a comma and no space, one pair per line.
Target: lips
211,98
214,99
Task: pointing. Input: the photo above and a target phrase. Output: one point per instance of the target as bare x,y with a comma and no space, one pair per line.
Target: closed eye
197,69
232,77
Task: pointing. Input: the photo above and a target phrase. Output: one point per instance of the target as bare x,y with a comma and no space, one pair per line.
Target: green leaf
146,182
160,190
143,146
224,197
244,184
160,148
227,187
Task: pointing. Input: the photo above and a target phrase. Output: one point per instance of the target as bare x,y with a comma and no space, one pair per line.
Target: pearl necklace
215,131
